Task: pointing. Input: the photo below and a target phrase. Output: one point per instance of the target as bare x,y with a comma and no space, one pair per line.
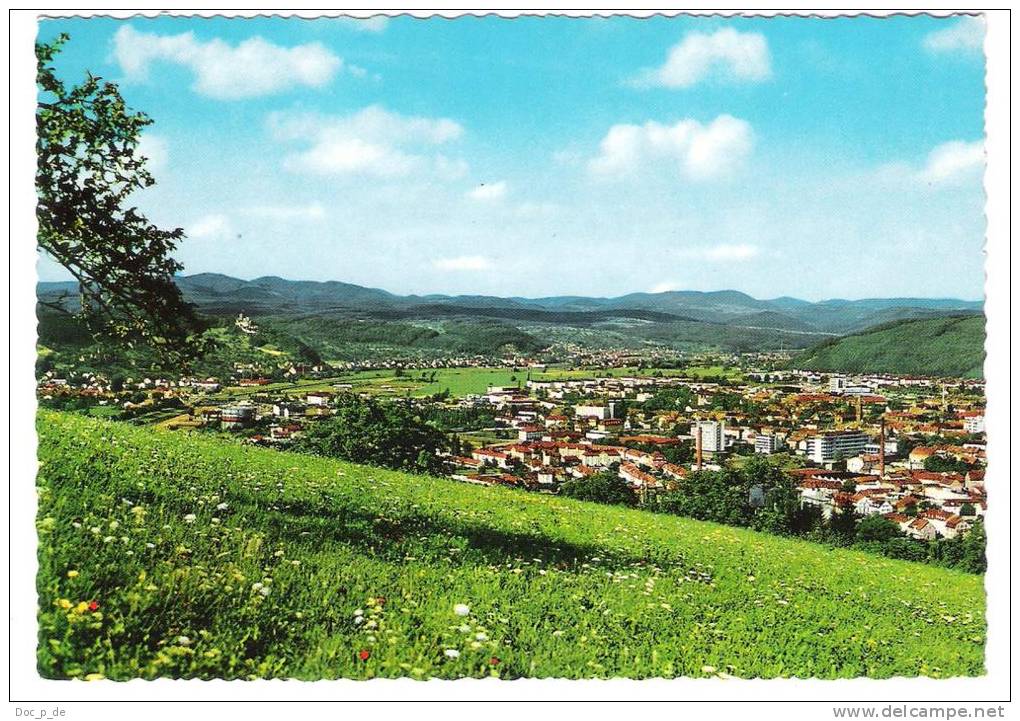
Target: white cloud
953,161
700,152
723,253
737,252
463,263
210,227
311,212
155,149
947,165
665,287
727,53
966,34
372,142
373,24
492,191
252,68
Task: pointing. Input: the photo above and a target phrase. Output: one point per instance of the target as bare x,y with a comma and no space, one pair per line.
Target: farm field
173,555
460,381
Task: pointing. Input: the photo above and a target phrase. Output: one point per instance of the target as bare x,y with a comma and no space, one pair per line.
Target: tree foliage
602,487
392,435
88,168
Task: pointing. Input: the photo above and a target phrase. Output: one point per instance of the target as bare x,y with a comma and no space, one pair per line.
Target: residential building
834,445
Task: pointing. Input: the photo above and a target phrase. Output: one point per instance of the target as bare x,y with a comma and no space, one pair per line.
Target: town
910,449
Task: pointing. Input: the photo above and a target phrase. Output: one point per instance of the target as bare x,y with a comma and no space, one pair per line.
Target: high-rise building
767,444
713,435
834,445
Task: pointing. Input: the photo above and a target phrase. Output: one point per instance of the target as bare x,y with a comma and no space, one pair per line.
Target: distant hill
725,320
216,293
946,346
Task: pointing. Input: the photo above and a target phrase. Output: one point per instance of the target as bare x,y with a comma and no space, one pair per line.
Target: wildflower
481,636
183,641
72,574
364,653
708,669
190,518
95,677
494,661
222,507
462,609
93,605
451,653
64,603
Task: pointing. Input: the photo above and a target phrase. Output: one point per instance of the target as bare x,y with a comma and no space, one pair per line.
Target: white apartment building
713,435
974,424
767,444
831,446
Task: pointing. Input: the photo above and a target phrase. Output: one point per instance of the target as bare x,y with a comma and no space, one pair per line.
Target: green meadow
176,555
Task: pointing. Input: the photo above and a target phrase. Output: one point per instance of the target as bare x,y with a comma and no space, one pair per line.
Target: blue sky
546,156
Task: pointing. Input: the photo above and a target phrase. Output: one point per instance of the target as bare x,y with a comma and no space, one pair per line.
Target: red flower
364,653
494,661
381,600
93,605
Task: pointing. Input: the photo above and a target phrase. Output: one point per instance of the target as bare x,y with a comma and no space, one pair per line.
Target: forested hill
951,346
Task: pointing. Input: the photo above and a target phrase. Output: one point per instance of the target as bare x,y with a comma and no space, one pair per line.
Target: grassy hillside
164,554
934,347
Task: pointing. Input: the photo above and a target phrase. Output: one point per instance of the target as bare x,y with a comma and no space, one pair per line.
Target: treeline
763,497
334,337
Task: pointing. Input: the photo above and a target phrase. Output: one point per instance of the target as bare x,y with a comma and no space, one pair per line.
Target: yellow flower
81,607
72,574
95,677
64,603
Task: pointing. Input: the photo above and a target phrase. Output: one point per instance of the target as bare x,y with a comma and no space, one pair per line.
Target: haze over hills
269,295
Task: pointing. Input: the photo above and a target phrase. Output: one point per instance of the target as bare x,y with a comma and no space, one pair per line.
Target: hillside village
911,449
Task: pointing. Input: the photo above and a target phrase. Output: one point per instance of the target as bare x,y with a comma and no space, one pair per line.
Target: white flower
481,636
222,507
452,653
462,609
183,641
359,612
190,518
358,620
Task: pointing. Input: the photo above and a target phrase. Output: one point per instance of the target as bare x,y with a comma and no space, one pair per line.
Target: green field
173,555
461,381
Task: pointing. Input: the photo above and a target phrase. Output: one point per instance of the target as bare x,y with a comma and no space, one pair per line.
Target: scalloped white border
25,684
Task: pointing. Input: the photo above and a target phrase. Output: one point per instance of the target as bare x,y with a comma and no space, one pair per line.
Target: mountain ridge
220,293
